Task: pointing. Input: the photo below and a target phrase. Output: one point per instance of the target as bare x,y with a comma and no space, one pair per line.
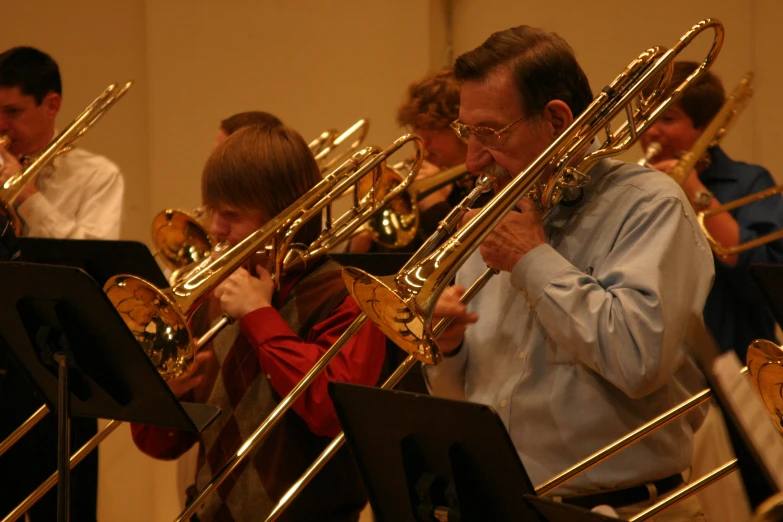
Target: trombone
323,146
159,319
416,288
414,291
711,136
64,142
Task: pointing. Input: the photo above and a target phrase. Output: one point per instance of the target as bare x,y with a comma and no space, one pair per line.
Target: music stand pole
63,440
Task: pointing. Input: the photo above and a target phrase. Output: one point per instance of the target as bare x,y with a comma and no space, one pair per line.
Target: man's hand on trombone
517,234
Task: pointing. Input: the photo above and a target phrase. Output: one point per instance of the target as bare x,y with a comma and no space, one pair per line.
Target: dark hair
542,64
702,101
34,72
262,169
242,119
434,99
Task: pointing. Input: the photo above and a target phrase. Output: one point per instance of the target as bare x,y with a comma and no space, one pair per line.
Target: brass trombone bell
397,224
765,369
722,250
181,238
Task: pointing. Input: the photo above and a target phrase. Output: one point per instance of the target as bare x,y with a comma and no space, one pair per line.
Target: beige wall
315,65
319,65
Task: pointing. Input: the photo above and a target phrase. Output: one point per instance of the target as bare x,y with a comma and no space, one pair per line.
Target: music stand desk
99,258
62,332
418,453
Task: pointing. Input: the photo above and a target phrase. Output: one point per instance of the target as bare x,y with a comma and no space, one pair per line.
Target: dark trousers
33,459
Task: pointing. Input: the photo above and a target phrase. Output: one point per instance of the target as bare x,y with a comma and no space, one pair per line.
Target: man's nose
478,156
218,227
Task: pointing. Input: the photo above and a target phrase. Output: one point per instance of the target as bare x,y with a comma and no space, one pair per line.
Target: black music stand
757,478
422,456
66,337
99,258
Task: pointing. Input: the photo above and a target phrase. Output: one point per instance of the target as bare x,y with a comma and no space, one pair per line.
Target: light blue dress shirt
583,341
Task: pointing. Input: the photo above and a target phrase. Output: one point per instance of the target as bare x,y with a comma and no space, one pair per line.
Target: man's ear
51,103
557,115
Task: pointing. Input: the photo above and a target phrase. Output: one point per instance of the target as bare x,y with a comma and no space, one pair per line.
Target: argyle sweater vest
246,398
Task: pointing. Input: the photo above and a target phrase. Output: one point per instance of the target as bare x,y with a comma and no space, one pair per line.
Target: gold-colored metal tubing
331,449
634,436
639,433
724,251
76,458
271,420
687,491
20,432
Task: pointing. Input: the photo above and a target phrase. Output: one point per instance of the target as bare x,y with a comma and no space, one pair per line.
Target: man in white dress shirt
81,196
78,197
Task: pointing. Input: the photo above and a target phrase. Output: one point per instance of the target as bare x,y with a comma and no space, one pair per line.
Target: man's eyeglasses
488,137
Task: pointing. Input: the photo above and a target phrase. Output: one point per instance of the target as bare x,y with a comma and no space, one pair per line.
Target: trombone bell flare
180,238
155,321
390,303
765,369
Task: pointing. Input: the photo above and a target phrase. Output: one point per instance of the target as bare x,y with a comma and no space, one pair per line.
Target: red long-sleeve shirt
285,358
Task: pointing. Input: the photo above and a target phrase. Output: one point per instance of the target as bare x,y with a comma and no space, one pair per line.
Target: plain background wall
319,65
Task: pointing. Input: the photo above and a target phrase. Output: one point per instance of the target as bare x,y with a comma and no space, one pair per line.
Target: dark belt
627,496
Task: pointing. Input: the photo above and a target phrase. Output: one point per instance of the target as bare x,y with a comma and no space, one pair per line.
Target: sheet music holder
756,443
418,453
49,311
770,280
101,259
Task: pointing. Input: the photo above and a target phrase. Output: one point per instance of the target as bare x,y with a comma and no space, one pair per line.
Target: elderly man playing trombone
580,337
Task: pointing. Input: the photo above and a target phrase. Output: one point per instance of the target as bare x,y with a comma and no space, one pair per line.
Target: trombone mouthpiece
652,150
5,141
